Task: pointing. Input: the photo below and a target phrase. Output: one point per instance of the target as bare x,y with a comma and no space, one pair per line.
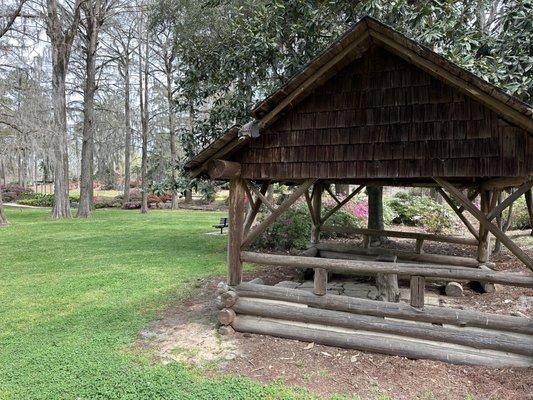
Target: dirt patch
187,332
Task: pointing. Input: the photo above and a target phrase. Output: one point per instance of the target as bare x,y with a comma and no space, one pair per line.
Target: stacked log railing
411,330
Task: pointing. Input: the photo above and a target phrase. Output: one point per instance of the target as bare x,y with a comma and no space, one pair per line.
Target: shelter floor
365,289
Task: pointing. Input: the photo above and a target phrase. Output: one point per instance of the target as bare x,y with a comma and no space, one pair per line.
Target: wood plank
483,252
292,98
476,213
417,287
295,195
374,267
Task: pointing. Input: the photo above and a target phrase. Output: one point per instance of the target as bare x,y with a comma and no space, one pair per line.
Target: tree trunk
375,211
61,177
172,131
127,118
61,40
143,94
3,218
87,148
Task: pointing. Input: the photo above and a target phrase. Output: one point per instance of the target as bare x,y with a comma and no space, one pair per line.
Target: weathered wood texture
381,117
407,235
375,267
417,287
221,169
237,204
378,343
486,339
326,250
431,314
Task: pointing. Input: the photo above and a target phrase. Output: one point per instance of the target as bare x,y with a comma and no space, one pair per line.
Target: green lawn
74,295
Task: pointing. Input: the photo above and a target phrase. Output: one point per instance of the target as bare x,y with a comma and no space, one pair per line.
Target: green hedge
292,230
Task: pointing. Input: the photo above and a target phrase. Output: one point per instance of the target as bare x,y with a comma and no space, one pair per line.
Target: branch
12,18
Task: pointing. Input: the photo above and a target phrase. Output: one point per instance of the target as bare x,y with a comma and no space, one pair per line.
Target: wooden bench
222,224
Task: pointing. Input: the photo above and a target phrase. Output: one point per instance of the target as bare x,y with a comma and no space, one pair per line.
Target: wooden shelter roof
351,46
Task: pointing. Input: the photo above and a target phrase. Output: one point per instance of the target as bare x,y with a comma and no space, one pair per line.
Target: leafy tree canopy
233,52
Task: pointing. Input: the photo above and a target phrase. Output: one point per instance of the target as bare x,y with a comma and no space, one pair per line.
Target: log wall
455,336
381,117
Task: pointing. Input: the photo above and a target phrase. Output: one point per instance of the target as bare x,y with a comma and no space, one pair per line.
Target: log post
417,286
419,246
387,284
529,204
321,275
484,238
237,205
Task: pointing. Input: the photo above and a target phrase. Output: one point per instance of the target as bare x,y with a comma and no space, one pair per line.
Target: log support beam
237,206
259,229
222,169
482,218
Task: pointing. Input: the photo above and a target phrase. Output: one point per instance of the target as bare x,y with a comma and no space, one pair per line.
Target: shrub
37,200
416,210
12,192
166,197
105,202
43,200
520,216
153,199
292,230
289,231
131,205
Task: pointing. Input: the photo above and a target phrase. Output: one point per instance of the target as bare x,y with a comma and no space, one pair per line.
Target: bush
292,230
520,216
12,192
415,210
153,199
37,200
106,202
131,205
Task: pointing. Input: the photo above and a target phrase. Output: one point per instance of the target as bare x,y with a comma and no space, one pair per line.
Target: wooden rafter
343,202
260,196
259,229
480,216
509,200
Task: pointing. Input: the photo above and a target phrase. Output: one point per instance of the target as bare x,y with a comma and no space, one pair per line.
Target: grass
100,193
75,294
